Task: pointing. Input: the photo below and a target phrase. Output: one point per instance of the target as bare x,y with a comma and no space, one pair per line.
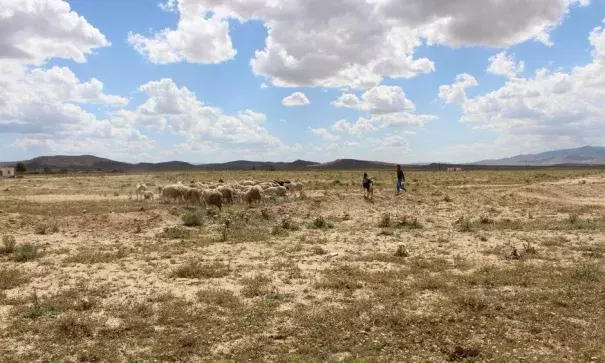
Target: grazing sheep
227,194
277,191
148,195
195,195
253,195
172,192
212,197
140,191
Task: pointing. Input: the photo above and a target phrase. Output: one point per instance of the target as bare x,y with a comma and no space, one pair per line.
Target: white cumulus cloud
325,134
33,31
456,93
548,109
504,64
306,44
295,99
387,105
198,38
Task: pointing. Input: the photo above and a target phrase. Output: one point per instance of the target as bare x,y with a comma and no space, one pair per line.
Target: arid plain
466,266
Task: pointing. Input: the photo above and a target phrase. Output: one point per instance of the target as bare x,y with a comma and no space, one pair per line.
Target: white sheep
253,195
140,190
277,192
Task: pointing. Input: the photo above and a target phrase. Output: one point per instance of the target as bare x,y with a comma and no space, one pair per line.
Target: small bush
385,221
409,222
318,250
485,220
47,228
27,252
196,270
219,297
401,251
193,218
8,245
321,223
174,233
288,224
464,225
256,286
447,199
11,278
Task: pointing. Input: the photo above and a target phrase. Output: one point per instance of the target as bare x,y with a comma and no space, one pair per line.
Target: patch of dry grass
197,270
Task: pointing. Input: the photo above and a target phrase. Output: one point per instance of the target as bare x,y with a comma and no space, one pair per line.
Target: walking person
368,189
400,179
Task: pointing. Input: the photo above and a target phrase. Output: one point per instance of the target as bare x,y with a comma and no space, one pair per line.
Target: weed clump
192,218
27,252
196,270
409,223
385,221
485,220
8,245
47,228
464,225
321,223
11,278
174,233
401,251
259,285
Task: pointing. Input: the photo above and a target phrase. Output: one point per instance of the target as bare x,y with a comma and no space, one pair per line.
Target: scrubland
465,266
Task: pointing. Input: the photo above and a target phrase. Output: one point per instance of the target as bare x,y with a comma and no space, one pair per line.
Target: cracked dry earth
467,266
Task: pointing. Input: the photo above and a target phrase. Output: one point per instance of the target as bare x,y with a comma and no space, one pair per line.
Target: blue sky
382,79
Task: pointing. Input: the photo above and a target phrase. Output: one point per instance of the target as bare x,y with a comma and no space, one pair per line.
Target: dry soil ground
475,266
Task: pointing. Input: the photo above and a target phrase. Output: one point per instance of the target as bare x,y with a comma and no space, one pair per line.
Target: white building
7,171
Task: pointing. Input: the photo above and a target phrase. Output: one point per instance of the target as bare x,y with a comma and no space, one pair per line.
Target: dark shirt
367,182
400,175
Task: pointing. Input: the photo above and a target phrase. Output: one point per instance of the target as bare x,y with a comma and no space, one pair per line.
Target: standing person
368,190
400,179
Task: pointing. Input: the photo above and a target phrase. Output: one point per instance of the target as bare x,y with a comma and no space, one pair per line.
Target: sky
389,80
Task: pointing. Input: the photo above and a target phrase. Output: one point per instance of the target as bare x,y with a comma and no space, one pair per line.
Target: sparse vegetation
27,252
91,256
11,278
255,286
193,218
47,227
8,245
406,278
174,233
197,270
321,223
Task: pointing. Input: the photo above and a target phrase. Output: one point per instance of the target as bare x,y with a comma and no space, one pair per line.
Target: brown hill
350,164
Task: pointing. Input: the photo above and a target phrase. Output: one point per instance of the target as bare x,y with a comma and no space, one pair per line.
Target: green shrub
321,223
27,252
193,218
385,221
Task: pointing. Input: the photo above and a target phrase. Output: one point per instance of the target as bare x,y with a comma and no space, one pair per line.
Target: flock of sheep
217,194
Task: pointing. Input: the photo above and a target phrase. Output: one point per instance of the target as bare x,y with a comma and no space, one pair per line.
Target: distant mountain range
94,163
587,155
583,155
